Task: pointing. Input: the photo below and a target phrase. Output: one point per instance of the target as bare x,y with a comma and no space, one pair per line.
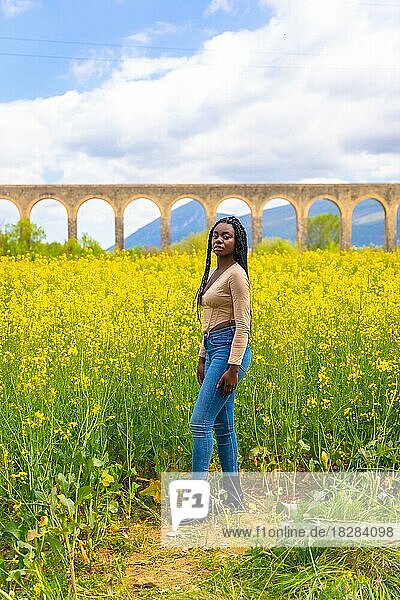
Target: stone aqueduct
300,196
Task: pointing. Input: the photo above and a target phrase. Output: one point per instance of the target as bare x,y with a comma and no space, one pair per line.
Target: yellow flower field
98,360
101,353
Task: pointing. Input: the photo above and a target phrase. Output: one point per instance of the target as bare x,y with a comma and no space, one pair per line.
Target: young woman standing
225,353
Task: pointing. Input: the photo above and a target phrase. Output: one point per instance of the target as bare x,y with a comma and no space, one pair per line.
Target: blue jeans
214,410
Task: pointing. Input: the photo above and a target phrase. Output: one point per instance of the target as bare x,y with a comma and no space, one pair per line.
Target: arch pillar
72,226
24,212
301,226
165,228
256,228
211,217
390,227
345,228
119,229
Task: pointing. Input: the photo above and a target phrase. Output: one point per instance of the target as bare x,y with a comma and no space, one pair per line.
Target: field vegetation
97,382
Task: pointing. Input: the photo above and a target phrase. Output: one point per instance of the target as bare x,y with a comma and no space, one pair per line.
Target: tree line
25,237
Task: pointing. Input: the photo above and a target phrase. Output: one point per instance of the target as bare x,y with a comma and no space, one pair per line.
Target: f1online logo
189,498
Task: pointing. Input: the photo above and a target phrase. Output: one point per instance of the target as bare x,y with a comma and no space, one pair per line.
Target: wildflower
325,459
383,365
322,376
106,478
44,521
20,475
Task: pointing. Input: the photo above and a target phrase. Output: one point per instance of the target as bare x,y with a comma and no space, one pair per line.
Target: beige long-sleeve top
227,298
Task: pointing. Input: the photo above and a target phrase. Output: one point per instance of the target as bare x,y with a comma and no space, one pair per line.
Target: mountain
279,221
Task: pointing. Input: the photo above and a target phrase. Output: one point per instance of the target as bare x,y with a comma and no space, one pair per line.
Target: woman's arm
240,291
202,351
201,363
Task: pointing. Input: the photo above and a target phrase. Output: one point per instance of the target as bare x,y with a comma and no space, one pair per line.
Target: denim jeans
212,409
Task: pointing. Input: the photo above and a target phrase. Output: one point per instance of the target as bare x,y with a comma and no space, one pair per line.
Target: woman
225,353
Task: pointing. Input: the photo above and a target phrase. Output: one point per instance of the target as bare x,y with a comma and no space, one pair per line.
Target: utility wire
151,47
101,44
148,60
88,58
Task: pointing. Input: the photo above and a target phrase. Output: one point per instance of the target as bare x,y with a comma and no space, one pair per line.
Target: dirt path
165,570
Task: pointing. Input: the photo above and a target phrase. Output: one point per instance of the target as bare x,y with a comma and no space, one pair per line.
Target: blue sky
103,29
204,91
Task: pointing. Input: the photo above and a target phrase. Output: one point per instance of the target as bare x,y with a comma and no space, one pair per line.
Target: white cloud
12,8
310,96
97,66
219,5
161,28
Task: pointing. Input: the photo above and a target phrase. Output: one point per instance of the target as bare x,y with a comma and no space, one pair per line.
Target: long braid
240,254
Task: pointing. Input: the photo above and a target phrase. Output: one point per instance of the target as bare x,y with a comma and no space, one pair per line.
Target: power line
87,58
100,44
243,66
151,47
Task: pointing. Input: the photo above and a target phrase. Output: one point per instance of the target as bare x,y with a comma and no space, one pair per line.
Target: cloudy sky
126,91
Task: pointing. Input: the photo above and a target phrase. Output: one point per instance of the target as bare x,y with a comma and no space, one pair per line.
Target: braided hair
239,254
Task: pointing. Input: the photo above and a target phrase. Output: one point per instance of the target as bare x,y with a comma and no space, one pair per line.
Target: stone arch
230,206
279,220
198,199
55,220
368,223
7,207
236,197
289,199
102,215
322,197
188,215
322,205
134,197
82,201
373,196
142,229
46,197
253,195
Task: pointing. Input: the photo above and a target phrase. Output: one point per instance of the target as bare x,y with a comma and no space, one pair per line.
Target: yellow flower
40,417
106,478
44,521
354,375
383,365
21,475
325,459
322,376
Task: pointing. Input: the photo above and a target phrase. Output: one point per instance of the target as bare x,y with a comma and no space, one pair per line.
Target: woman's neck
223,262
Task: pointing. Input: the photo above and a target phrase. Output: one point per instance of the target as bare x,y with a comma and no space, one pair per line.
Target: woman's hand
229,380
200,370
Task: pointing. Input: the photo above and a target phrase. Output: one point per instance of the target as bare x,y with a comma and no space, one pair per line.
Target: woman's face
223,239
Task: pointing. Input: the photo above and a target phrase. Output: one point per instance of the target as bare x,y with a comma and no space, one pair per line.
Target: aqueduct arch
195,216
60,214
379,207
265,217
345,196
12,206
